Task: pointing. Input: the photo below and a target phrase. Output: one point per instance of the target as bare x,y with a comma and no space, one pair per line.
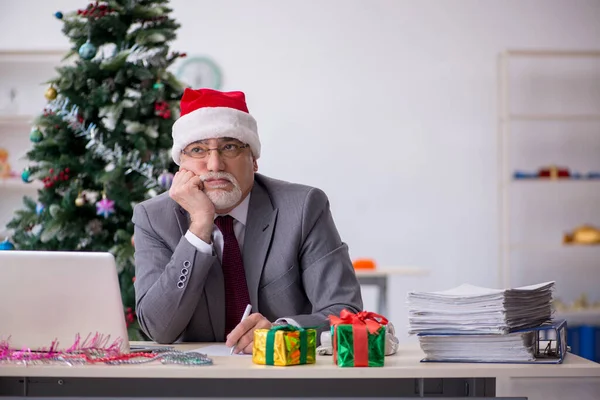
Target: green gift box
358,339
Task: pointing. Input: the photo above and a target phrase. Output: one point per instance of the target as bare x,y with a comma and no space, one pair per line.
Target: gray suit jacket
295,262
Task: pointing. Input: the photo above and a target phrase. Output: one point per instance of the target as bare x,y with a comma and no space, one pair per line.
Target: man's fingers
244,342
240,330
184,180
196,182
176,183
262,323
248,349
186,176
244,326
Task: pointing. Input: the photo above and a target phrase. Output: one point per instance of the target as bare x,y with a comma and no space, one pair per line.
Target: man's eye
197,150
229,147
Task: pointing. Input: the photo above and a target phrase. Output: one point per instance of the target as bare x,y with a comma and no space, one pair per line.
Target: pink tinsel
92,347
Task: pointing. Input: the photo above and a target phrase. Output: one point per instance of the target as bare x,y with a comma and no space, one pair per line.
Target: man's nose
214,161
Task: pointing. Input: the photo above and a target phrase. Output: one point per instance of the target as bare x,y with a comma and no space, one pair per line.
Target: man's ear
255,164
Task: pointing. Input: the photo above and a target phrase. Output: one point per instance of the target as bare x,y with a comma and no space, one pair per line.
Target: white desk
402,376
379,277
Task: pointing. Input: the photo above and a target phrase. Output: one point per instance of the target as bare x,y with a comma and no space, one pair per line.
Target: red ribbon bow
362,323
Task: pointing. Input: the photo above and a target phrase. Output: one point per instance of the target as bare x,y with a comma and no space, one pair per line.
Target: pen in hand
246,314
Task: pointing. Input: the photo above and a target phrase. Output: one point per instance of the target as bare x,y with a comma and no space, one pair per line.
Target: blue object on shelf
597,355
577,175
587,339
584,341
593,175
525,175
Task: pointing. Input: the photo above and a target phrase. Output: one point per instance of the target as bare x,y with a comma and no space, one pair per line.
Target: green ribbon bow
287,328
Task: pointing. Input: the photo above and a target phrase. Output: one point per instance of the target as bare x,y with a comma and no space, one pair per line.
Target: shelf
547,246
389,271
552,53
542,184
547,97
19,120
32,56
18,184
552,117
589,316
554,181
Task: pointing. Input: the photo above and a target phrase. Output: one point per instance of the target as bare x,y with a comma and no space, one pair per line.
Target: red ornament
95,10
161,108
129,316
50,180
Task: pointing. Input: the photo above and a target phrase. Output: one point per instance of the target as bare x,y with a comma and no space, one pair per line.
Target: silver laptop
48,296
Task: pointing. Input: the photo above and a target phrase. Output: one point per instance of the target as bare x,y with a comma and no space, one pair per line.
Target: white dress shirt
240,215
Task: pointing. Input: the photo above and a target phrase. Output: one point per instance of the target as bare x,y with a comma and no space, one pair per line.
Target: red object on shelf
364,263
554,172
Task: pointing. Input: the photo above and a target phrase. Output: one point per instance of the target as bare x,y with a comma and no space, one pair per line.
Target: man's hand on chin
242,336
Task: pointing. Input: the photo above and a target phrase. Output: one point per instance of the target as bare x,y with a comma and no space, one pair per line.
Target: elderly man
225,237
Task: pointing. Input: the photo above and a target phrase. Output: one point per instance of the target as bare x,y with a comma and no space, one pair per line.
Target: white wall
389,106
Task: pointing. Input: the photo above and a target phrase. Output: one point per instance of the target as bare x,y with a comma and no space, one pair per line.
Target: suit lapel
214,286
257,239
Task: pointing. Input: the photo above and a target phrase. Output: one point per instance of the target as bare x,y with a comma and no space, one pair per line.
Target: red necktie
236,289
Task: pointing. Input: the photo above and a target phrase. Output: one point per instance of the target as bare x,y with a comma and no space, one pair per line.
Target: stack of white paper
474,324
511,347
474,309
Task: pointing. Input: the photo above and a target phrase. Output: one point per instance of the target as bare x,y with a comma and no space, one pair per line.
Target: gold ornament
79,201
51,93
584,234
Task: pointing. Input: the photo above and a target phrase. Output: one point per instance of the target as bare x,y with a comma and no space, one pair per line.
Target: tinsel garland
94,350
115,156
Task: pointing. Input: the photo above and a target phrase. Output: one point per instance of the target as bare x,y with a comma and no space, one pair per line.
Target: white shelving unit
22,87
15,183
549,114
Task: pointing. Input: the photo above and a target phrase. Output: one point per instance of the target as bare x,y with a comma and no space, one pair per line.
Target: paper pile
472,323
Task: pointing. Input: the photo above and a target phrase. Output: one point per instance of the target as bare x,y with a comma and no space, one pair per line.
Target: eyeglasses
228,150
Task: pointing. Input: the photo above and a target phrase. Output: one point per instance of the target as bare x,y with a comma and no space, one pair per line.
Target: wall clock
200,72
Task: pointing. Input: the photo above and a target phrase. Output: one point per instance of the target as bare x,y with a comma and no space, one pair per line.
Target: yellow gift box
284,345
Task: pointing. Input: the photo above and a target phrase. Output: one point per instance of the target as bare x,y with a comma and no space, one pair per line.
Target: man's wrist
199,244
202,230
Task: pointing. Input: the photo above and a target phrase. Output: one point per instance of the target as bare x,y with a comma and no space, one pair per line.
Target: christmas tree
102,144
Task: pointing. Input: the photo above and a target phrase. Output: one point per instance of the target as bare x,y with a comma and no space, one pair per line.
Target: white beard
221,197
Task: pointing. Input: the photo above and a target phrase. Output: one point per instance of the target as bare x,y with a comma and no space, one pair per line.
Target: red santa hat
211,114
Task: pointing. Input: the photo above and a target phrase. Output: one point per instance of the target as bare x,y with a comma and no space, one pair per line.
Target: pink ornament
105,207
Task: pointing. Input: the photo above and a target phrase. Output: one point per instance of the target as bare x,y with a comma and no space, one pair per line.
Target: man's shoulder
283,191
157,202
